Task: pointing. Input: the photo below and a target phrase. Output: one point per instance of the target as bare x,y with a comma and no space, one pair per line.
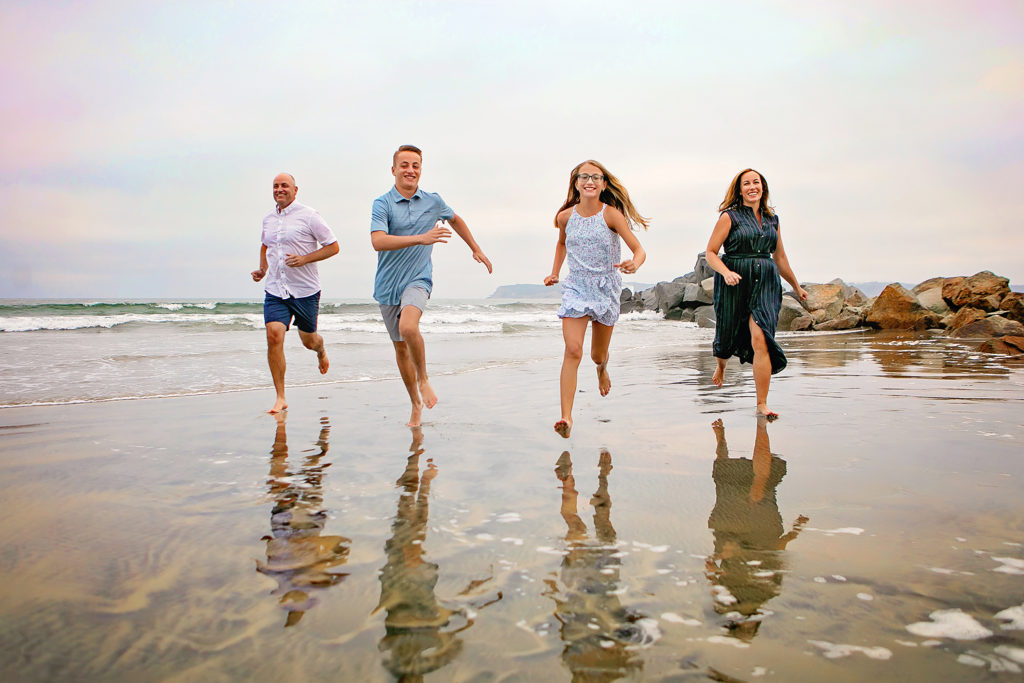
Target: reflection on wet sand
421,634
598,633
298,557
748,563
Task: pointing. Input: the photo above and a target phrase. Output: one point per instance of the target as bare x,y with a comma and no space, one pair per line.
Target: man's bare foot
279,406
718,425
416,418
324,363
719,377
762,411
564,428
427,392
604,382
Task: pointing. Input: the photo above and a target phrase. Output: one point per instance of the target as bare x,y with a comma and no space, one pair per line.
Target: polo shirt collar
397,196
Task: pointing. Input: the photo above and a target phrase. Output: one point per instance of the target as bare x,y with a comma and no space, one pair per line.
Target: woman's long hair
734,198
614,194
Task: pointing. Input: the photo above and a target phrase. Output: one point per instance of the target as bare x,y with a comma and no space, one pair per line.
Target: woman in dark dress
748,293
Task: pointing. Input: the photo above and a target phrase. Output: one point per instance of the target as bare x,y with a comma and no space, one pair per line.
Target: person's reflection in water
747,566
598,633
298,556
420,633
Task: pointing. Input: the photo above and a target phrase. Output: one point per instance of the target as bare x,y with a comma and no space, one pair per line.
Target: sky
140,140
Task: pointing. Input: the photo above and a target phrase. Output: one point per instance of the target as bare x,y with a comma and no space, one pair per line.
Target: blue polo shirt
399,268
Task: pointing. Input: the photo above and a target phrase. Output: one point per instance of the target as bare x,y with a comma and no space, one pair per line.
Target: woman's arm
718,235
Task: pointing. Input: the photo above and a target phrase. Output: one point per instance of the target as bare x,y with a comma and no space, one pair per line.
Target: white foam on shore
1011,565
724,640
674,618
836,651
1013,615
852,530
949,623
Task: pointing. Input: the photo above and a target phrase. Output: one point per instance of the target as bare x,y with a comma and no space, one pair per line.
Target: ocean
69,351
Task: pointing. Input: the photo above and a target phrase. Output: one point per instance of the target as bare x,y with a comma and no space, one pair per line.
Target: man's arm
258,274
382,241
462,230
326,251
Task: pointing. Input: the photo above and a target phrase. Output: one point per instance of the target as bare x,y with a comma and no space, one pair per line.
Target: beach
161,526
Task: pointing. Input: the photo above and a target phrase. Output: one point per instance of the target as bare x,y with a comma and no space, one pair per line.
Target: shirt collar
397,196
286,210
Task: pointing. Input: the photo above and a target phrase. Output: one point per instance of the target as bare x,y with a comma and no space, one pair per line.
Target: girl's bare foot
279,406
762,411
564,428
604,382
719,377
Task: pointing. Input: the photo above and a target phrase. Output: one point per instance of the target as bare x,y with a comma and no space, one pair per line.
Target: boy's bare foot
564,428
279,405
416,418
322,360
719,377
427,392
604,382
762,411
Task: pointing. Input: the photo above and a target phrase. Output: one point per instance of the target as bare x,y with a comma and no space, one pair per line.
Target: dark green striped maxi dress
748,251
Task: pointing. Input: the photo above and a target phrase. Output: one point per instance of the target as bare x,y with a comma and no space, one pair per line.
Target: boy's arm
462,230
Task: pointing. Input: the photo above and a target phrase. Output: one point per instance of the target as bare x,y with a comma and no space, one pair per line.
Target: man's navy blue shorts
303,309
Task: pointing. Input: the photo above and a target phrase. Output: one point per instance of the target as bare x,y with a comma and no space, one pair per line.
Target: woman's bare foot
719,377
279,406
416,418
604,382
427,392
323,362
762,411
564,428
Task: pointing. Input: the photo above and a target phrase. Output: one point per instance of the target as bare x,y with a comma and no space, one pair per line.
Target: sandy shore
201,539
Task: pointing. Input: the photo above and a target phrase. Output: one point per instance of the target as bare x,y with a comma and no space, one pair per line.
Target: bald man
288,257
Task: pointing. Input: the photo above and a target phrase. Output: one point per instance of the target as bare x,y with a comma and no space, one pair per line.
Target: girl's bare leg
599,343
573,332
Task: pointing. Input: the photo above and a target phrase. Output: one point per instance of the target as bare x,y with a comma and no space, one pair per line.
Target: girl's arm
617,222
556,267
718,235
782,263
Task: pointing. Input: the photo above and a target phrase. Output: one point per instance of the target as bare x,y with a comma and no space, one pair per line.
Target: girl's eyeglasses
587,177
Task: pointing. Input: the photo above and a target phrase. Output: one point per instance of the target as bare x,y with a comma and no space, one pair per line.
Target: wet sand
201,539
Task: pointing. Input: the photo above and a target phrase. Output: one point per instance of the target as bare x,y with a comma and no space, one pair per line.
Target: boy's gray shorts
412,296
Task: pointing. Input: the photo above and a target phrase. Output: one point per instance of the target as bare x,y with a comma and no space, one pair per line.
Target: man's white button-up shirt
295,230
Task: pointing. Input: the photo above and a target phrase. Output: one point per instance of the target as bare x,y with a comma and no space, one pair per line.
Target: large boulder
1009,346
984,290
950,286
828,298
897,309
708,285
681,314
696,296
932,300
930,283
1013,304
847,320
965,316
649,299
667,295
790,311
704,316
990,326
701,269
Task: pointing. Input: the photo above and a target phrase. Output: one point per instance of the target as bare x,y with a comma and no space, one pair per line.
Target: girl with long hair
748,292
597,213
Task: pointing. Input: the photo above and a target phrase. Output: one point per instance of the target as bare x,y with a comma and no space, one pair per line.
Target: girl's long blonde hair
614,194
734,198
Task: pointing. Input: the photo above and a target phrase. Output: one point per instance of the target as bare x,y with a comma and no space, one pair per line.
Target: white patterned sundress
592,287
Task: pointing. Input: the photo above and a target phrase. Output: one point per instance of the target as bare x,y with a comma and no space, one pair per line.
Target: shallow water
874,531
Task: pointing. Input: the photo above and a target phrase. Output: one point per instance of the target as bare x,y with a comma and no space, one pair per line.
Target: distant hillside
523,291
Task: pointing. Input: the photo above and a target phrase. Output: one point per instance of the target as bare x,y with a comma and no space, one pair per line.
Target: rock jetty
980,306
